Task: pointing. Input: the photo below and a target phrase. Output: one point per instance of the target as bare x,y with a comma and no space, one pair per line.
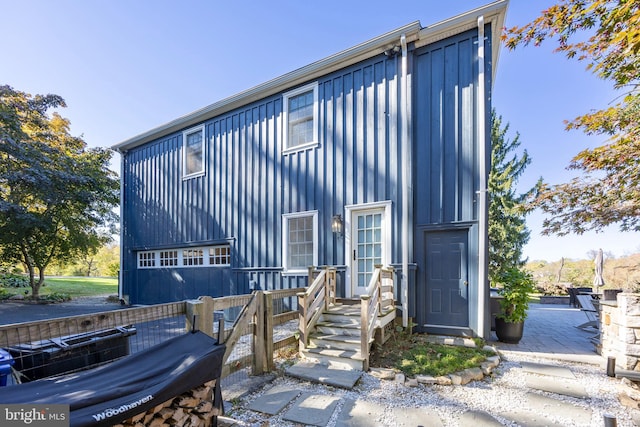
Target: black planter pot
509,332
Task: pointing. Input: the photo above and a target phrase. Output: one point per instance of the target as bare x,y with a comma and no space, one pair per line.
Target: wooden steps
335,341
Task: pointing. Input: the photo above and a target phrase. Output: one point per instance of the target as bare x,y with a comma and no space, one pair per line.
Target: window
146,259
301,117
300,241
208,256
193,154
192,257
219,255
168,258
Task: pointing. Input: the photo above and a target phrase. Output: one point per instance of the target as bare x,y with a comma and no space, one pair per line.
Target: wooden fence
251,336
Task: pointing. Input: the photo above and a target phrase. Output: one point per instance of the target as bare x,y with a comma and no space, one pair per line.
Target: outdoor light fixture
336,224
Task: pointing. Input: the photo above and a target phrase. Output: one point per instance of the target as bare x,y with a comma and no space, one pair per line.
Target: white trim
285,242
386,208
153,259
405,119
184,152
483,206
286,148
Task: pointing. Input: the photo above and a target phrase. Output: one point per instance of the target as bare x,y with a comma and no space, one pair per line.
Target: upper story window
300,241
193,153
301,118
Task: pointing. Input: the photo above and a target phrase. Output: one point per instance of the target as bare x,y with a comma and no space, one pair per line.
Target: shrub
550,288
516,284
10,280
5,294
55,297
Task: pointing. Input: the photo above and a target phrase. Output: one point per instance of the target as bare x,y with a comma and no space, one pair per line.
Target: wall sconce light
336,224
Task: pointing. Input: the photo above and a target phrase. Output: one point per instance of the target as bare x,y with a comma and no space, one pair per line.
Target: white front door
368,243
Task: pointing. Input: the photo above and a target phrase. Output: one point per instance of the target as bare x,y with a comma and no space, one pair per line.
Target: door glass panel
369,232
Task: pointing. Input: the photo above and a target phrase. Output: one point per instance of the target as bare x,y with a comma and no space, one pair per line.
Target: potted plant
516,285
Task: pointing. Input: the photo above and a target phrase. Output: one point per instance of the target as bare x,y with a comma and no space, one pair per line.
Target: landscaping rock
465,378
455,379
487,368
475,373
400,378
411,382
490,348
443,380
383,373
627,401
426,379
493,360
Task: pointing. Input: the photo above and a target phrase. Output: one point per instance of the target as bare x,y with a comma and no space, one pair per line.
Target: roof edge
414,32
316,69
494,13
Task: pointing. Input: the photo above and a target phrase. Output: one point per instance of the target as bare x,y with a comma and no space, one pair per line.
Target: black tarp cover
112,393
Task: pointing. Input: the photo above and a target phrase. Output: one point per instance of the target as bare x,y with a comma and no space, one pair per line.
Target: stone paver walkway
550,336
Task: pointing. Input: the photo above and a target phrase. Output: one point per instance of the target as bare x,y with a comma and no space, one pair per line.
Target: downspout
404,286
122,232
483,243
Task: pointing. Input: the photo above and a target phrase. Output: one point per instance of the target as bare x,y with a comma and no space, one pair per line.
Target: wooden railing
319,295
156,323
378,297
22,333
256,318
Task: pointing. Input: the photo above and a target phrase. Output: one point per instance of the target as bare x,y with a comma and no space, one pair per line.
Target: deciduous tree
606,36
56,194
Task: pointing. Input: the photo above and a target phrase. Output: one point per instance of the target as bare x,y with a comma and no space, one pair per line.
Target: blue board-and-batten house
393,135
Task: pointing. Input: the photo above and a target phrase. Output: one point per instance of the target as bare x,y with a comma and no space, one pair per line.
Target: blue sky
125,67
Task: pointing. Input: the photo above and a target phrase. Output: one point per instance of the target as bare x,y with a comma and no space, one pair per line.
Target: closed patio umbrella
598,280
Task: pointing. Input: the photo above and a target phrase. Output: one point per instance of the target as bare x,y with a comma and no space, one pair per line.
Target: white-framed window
168,258
300,128
193,152
299,241
207,256
220,255
192,257
146,259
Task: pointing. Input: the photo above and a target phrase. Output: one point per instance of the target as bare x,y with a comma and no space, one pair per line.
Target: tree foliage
508,232
605,35
56,194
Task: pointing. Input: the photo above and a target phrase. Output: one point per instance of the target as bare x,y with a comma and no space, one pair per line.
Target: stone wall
554,299
620,330
191,409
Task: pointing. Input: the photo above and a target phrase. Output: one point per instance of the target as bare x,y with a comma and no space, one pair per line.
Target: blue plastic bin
6,362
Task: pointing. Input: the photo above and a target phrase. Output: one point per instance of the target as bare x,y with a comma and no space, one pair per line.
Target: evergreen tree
508,232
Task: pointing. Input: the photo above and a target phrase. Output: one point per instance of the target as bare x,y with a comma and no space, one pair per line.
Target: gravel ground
495,395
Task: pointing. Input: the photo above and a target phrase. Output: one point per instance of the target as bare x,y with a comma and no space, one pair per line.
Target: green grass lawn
414,355
80,286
